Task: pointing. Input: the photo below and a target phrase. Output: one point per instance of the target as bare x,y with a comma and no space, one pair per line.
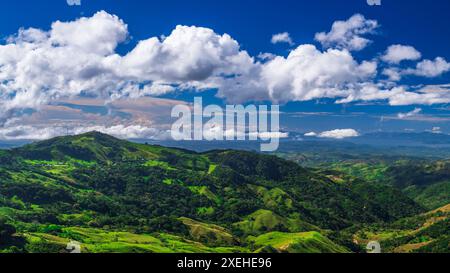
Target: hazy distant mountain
403,139
12,144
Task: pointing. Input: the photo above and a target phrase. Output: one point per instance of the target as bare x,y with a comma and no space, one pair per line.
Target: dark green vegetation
427,182
116,196
391,181
425,233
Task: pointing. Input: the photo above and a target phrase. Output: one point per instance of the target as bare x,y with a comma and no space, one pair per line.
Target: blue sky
422,25
252,22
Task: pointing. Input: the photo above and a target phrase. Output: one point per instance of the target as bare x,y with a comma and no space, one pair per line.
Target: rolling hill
113,195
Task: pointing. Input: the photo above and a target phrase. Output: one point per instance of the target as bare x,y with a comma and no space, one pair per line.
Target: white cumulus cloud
348,34
29,132
282,38
430,68
188,54
426,68
99,34
305,74
398,53
80,58
339,133
311,134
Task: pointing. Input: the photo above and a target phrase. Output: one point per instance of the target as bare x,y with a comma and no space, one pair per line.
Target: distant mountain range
403,139
374,139
388,139
385,144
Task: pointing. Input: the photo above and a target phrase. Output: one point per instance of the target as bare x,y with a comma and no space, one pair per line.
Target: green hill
117,196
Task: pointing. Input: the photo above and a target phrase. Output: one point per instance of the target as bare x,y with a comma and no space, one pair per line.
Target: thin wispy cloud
74,2
413,113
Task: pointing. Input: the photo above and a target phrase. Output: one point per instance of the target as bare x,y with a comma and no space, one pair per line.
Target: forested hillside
117,196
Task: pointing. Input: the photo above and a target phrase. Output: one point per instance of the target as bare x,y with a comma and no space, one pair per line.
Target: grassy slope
263,221
411,234
101,241
209,234
306,242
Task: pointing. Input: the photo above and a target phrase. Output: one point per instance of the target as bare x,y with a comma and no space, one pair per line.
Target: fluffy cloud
216,132
397,53
311,134
188,54
339,134
79,58
430,69
348,34
436,130
335,134
394,74
398,96
308,73
126,118
37,66
99,34
266,56
305,74
425,68
282,38
28,132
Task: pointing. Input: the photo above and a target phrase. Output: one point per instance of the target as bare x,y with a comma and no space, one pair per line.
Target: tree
6,231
